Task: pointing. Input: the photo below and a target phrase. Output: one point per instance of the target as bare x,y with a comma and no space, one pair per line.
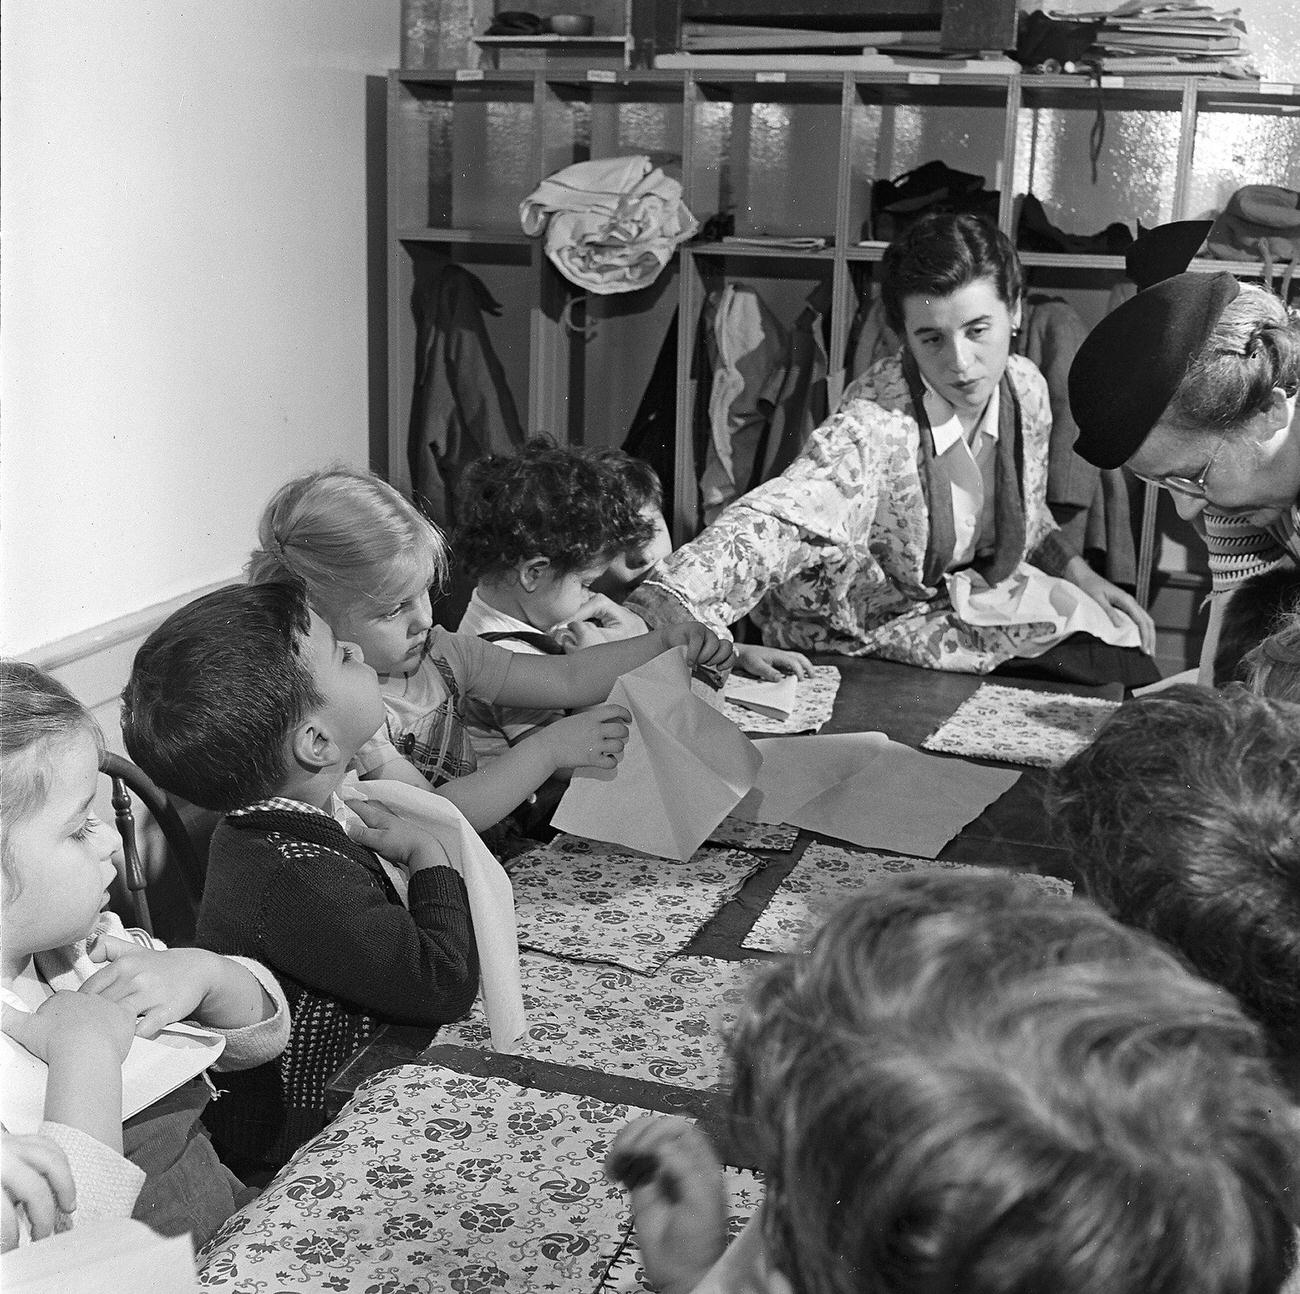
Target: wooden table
904,702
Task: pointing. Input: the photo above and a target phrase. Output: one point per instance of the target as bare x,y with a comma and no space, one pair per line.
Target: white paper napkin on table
774,698
491,898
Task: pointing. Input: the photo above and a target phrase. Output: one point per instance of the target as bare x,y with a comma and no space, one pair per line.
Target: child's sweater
169,1176
286,884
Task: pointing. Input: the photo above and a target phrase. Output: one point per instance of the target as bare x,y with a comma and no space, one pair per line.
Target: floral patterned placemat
1020,726
813,704
589,902
825,876
435,1181
667,1027
739,834
744,1195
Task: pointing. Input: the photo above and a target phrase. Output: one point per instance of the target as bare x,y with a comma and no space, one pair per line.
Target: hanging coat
462,407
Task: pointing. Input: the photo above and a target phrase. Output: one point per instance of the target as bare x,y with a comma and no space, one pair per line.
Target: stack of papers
1168,37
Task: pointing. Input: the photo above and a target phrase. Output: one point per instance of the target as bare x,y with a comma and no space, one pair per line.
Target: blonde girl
368,559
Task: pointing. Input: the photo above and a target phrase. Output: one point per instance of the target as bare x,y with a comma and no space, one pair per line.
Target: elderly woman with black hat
914,523
1192,384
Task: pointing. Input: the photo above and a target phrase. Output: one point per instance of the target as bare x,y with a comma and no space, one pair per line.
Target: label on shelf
1111,82
469,74
602,74
769,76
1276,87
923,78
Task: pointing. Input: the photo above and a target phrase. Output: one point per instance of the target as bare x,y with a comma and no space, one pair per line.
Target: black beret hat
1164,251
1131,363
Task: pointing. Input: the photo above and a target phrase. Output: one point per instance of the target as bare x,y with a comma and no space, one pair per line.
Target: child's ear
312,745
530,573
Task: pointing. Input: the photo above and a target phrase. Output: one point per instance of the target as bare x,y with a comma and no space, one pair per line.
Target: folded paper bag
684,769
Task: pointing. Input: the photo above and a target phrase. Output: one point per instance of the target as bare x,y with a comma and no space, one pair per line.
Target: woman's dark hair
941,253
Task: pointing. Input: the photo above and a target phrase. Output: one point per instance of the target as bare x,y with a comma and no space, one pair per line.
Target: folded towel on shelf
611,224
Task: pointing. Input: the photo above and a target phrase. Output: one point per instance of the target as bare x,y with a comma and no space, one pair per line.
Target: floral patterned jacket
829,555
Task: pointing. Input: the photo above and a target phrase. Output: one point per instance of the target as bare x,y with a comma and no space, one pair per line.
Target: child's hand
598,620
675,1180
398,839
704,649
769,663
158,986
36,1180
593,739
69,1020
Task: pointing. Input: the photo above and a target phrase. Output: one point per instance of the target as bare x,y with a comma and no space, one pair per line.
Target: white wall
184,287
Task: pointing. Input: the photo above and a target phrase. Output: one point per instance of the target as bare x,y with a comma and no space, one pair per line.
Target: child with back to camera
368,558
967,1085
78,988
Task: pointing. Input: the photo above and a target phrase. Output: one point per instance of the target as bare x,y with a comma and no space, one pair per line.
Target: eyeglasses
1191,486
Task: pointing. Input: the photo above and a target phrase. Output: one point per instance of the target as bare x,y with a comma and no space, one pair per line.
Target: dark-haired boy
245,702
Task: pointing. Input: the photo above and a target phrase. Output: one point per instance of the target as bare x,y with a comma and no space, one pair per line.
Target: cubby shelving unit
790,154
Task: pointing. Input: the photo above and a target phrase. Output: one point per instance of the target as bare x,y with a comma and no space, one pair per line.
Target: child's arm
585,678
83,1040
770,663
593,739
161,986
598,620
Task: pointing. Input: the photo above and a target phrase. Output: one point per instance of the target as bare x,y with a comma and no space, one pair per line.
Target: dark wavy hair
1183,818
941,253
968,1085
544,501
216,690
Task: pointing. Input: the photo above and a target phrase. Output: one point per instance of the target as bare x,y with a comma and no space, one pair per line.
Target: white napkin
773,698
491,898
1030,596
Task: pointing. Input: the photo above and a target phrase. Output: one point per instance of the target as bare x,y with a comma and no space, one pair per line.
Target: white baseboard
95,664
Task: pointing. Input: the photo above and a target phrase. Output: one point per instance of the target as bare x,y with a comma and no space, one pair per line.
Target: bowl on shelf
571,24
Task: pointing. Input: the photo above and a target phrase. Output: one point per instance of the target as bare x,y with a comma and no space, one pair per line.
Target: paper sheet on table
905,801
775,698
684,768
796,769
864,788
1030,596
491,899
152,1068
